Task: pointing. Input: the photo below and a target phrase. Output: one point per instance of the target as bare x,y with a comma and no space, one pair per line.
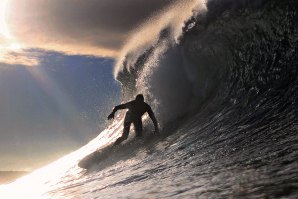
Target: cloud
90,27
24,58
11,53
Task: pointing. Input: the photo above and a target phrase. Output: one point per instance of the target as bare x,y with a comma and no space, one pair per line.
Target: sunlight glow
7,42
3,25
42,183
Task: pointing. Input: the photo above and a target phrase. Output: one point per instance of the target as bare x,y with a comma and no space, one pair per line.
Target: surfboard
110,152
95,157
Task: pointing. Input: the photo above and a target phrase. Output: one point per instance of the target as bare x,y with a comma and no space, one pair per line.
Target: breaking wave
222,77
236,52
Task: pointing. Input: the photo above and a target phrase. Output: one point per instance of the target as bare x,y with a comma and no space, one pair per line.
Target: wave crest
226,52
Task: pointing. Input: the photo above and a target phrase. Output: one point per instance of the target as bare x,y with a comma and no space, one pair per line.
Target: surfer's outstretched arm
116,108
153,118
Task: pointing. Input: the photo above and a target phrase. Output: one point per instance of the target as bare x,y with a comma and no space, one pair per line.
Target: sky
56,73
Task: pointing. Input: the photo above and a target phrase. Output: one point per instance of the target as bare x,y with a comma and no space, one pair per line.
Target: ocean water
223,81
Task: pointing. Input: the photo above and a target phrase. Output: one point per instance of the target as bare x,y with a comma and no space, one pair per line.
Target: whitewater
221,76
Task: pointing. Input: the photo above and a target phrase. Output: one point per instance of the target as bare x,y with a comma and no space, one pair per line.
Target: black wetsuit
136,109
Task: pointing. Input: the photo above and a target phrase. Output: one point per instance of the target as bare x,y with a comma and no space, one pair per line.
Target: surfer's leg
138,127
125,133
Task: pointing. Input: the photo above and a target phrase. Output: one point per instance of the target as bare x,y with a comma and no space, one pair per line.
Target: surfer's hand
111,116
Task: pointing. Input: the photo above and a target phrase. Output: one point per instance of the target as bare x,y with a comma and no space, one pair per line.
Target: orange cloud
18,58
89,27
11,53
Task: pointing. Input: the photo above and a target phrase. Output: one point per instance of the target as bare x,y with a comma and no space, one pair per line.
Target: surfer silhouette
136,109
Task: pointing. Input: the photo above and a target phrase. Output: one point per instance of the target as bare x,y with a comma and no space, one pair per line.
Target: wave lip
214,57
156,66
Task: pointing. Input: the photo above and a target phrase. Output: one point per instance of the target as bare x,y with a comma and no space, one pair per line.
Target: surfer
136,109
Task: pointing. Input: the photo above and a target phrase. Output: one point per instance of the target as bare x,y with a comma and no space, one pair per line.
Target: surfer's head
140,97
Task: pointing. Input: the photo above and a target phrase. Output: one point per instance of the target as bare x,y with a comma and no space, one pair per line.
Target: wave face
222,77
238,50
